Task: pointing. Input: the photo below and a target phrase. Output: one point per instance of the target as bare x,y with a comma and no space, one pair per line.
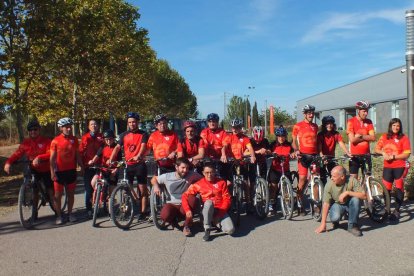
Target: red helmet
362,105
258,133
189,124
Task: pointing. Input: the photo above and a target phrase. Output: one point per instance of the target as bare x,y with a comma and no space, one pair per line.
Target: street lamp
247,114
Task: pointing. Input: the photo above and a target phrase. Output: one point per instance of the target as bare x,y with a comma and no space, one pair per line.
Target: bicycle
377,203
314,185
237,188
157,201
287,198
100,194
261,194
27,210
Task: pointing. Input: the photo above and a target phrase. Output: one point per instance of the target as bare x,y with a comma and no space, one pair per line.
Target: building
386,92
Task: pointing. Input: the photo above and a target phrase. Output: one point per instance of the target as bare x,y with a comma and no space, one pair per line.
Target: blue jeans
353,207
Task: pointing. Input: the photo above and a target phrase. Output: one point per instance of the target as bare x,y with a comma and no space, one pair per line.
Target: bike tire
121,206
156,204
287,198
97,197
261,198
316,203
236,201
379,208
26,206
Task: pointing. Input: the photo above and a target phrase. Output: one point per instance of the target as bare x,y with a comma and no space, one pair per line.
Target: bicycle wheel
156,204
97,198
236,200
26,206
379,208
287,199
121,206
316,199
261,198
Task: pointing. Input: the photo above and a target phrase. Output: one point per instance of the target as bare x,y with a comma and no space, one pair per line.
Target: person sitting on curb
216,199
342,194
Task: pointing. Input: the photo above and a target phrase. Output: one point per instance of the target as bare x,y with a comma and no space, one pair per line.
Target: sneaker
59,221
206,236
301,211
271,208
355,231
89,214
141,216
187,231
395,216
35,215
72,218
335,225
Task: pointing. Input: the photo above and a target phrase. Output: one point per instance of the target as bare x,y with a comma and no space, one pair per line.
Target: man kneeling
345,194
176,183
216,200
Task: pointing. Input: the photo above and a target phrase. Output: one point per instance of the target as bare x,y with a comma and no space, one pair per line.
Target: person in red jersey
360,132
64,156
134,144
304,142
284,149
36,149
395,148
216,202
192,145
328,138
238,144
89,146
164,143
214,137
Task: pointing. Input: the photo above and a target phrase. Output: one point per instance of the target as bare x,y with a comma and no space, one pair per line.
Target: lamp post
247,114
409,57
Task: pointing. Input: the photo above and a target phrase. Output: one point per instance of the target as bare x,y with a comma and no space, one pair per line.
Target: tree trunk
18,111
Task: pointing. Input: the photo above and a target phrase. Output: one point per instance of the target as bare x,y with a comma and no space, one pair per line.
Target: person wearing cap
360,132
328,138
192,144
89,146
134,144
36,149
64,156
304,143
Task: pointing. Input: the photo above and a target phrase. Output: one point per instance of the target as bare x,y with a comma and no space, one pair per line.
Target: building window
373,115
395,109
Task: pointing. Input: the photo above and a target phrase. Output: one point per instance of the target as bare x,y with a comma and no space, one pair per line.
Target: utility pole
409,57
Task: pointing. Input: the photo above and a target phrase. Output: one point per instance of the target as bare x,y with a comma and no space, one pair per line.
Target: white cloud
260,12
339,24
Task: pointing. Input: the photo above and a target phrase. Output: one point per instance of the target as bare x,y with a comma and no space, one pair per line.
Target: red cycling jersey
89,146
363,127
65,148
131,142
163,144
284,150
190,147
215,191
32,148
394,146
306,135
105,153
328,141
237,145
214,141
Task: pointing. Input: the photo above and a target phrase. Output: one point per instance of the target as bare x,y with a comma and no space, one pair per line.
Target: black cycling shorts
66,177
354,165
42,176
139,171
274,176
391,174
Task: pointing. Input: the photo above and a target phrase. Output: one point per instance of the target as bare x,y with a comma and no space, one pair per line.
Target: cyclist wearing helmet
133,142
282,148
164,143
395,148
213,137
260,146
360,132
89,146
328,137
304,142
36,148
193,146
64,156
102,158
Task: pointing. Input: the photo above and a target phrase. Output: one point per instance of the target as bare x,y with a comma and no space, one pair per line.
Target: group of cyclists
185,171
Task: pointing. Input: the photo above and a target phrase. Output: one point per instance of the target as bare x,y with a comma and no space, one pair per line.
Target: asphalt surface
269,247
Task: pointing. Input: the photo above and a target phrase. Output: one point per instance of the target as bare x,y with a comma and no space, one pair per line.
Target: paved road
269,247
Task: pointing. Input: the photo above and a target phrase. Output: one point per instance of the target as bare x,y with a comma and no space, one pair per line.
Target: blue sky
286,50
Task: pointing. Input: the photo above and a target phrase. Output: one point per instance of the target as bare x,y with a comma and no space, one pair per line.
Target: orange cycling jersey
215,191
89,146
65,148
282,150
162,144
363,127
191,147
394,146
214,141
32,148
237,145
306,135
131,142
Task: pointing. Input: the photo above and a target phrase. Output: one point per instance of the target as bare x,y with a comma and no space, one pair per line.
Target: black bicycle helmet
213,117
159,117
307,108
236,122
33,124
134,115
328,119
109,133
281,131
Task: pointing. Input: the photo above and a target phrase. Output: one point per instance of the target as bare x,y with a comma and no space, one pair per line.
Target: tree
255,115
